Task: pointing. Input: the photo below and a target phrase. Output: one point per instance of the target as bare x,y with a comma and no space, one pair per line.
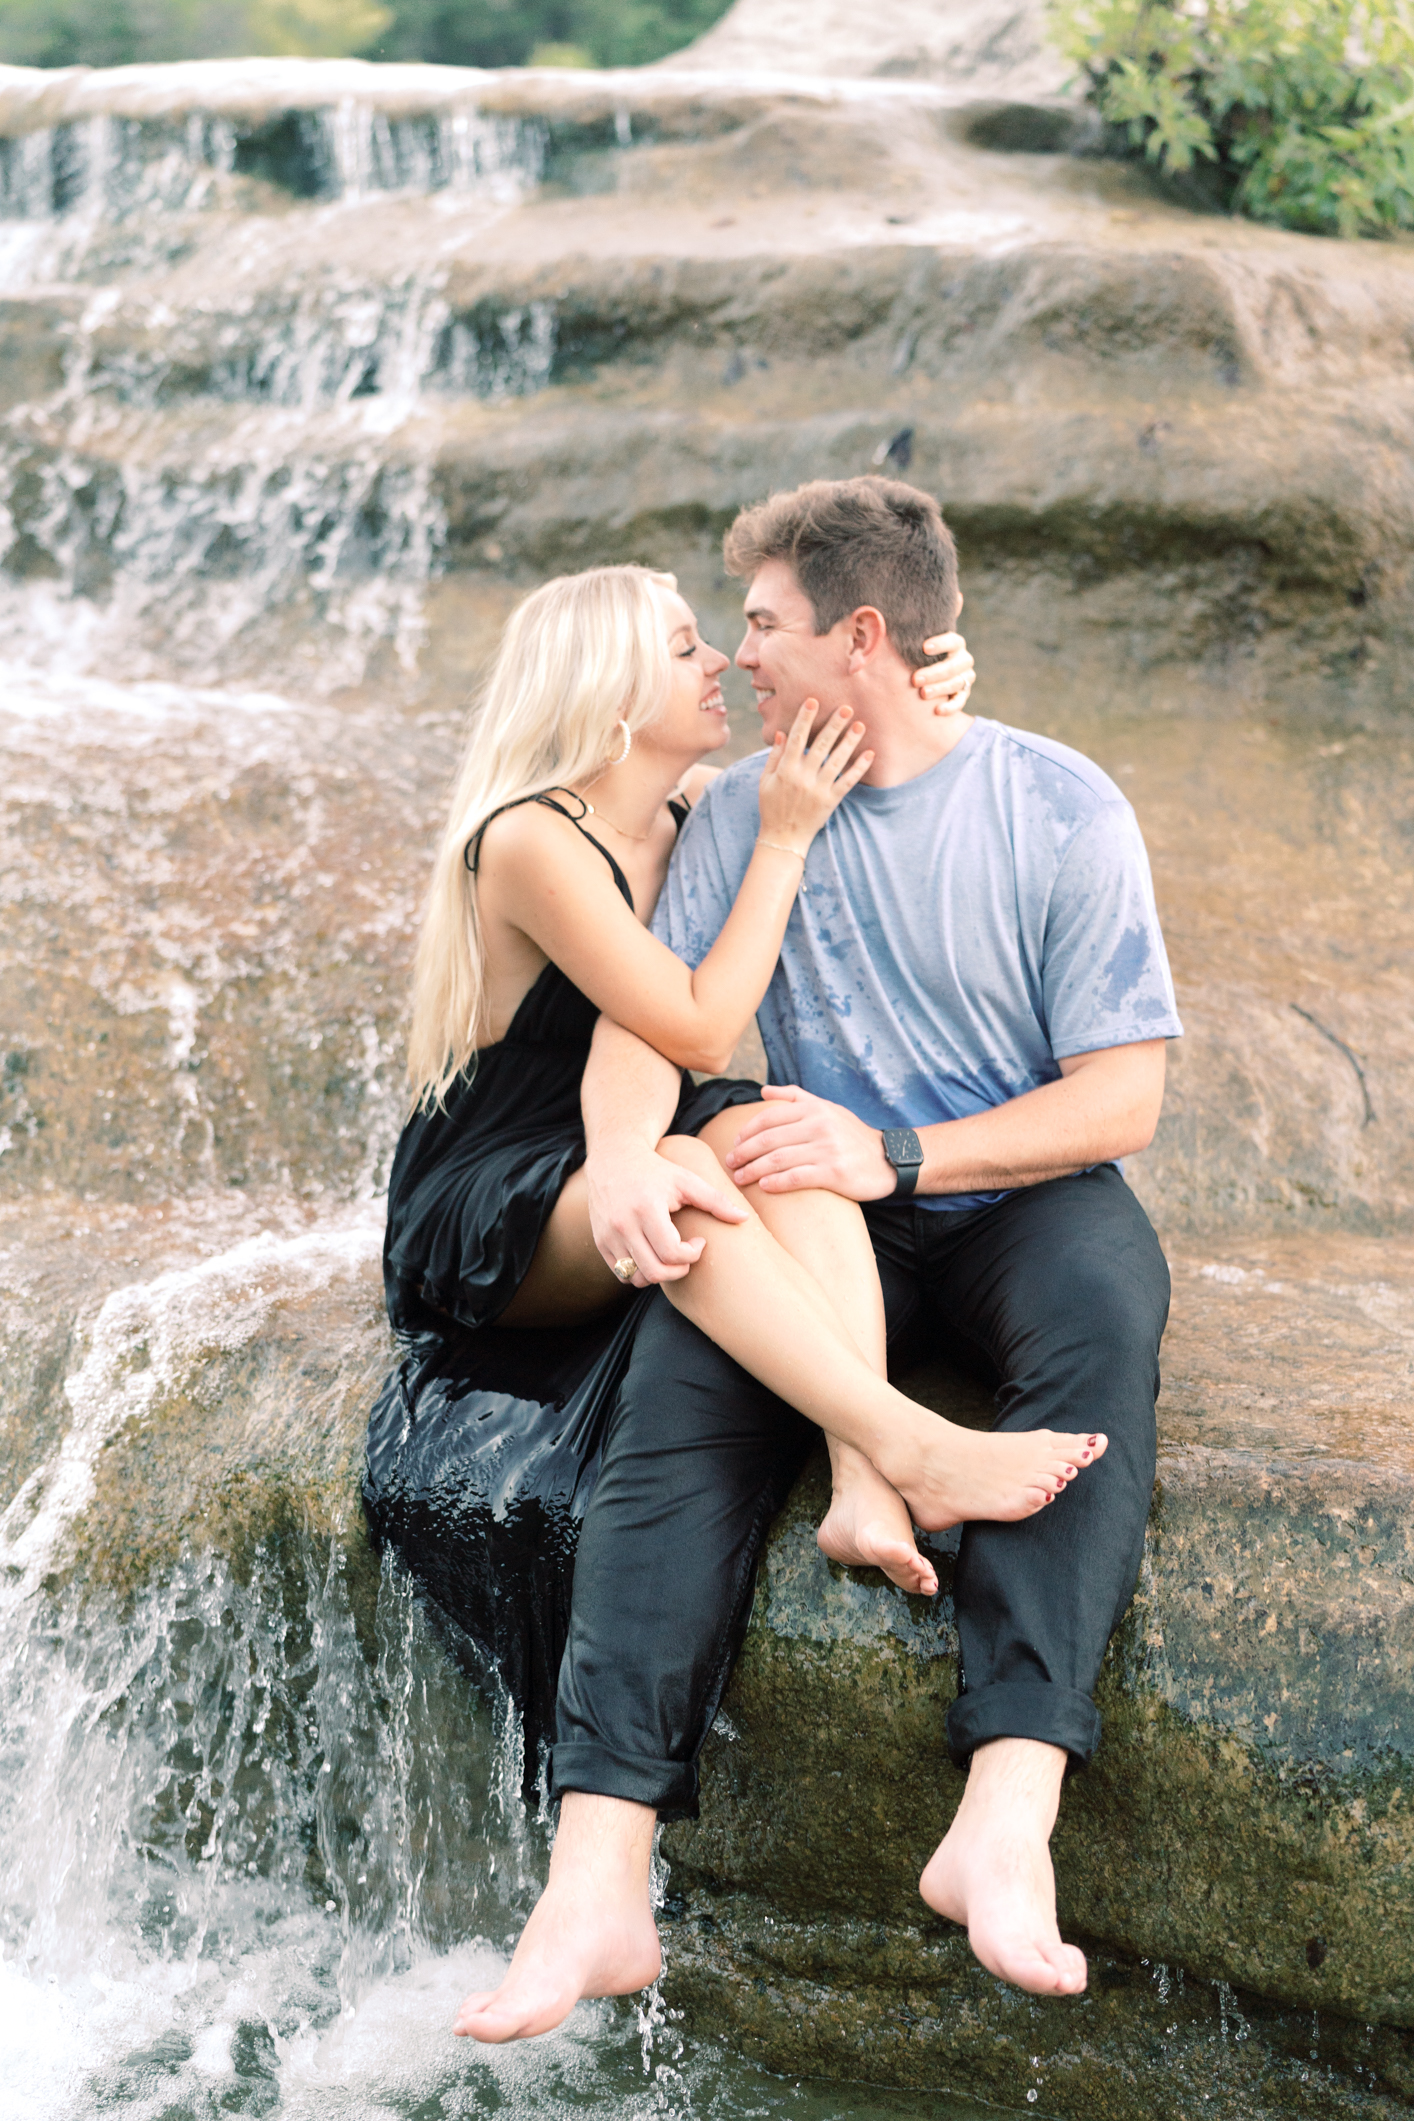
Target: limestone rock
215,1403
1246,1818
972,47
206,942
1238,1855
1148,424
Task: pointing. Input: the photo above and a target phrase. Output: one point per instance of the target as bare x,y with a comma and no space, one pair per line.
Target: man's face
784,657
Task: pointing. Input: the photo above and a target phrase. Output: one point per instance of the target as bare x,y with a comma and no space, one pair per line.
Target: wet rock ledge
1238,1858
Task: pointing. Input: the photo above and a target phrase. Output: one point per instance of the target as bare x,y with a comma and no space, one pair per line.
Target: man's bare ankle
1023,1774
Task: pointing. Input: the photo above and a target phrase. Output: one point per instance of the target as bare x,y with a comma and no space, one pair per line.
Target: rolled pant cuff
668,1785
1056,1715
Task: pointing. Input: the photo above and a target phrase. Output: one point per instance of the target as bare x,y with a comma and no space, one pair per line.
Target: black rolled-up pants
1062,1289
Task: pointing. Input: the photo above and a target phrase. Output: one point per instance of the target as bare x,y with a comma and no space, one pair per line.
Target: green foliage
1304,107
316,29
559,55
453,32
127,32
511,32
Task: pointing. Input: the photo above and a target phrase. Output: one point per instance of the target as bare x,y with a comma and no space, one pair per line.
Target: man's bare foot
949,1475
992,1871
867,1526
592,1931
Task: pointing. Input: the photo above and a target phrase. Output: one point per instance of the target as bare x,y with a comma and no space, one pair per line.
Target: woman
582,765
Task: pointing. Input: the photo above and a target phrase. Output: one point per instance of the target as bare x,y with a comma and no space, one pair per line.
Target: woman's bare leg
867,1524
568,1281
592,1931
750,1296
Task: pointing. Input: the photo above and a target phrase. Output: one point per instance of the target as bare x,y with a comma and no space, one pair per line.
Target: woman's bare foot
992,1872
867,1526
950,1475
592,1931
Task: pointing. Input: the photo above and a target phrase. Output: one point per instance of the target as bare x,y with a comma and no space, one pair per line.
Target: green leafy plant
1304,108
454,32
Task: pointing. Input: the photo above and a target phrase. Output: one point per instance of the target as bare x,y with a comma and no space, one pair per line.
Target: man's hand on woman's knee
633,1198
795,1139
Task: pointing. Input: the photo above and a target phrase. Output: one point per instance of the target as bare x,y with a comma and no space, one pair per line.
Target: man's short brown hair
858,541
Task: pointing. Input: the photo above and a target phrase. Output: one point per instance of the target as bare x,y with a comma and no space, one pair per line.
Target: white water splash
142,1341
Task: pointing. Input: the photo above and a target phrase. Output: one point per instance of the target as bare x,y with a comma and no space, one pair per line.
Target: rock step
1202,322
1259,1699
1024,485
218,541
911,2006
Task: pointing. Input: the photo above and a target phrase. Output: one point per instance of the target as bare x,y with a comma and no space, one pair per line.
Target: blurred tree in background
519,32
453,32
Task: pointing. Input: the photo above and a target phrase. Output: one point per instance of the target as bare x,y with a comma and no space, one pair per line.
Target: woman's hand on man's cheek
799,1140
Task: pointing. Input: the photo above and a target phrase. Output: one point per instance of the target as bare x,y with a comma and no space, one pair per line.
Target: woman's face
693,718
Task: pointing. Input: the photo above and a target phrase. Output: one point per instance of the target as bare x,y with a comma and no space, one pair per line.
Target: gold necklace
639,836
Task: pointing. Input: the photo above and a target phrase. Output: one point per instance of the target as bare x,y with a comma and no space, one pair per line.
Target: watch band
904,1151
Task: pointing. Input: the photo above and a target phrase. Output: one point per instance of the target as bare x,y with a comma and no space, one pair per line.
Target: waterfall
228,431
118,169
255,1827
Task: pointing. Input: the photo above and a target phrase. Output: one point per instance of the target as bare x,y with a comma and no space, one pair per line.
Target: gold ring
625,1268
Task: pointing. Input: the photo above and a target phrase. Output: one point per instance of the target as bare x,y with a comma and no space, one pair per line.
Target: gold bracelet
780,847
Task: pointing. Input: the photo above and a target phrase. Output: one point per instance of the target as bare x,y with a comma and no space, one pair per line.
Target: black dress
483,1446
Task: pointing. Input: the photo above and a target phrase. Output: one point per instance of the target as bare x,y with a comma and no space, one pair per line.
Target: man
965,1032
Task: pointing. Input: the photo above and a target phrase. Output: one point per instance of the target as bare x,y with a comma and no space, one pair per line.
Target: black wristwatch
905,1152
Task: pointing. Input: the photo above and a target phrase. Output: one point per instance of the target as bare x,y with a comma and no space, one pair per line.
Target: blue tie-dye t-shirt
954,938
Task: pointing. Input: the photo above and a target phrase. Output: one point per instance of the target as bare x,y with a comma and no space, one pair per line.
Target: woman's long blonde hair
582,654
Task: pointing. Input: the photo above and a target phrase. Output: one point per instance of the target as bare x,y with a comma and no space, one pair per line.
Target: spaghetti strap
547,797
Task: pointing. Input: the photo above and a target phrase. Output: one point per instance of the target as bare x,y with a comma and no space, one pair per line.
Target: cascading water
231,425
259,1830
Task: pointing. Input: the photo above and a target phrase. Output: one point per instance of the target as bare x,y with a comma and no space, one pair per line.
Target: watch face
902,1146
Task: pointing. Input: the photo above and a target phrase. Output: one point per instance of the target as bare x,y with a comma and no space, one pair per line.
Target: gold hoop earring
628,742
